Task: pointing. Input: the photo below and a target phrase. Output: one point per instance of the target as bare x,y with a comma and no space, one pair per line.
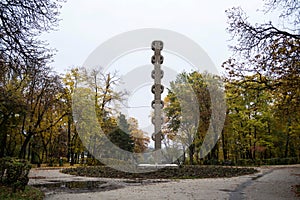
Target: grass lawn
29,193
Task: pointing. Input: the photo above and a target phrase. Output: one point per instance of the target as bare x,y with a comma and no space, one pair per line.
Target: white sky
87,23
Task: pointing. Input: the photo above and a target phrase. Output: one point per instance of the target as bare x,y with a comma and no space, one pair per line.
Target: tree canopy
21,23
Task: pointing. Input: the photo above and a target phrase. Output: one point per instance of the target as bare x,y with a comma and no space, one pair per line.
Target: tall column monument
157,89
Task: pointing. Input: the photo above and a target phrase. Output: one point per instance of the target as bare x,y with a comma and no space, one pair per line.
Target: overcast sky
86,24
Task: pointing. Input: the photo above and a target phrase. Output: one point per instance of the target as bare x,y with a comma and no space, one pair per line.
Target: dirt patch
296,189
185,172
76,186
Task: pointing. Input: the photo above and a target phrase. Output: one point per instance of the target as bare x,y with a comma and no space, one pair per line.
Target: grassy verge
185,172
29,193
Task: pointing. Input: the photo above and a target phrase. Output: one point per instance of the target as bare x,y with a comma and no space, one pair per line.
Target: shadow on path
238,193
276,182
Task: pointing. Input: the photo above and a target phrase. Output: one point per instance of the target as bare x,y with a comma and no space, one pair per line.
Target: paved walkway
275,185
47,175
269,183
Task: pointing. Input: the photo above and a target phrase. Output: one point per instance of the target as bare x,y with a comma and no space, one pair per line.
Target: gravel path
269,183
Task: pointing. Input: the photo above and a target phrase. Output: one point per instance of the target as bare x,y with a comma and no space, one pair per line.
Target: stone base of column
156,166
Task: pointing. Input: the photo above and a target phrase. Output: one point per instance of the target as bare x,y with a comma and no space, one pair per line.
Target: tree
25,78
21,23
12,108
42,94
121,136
30,106
255,38
250,113
188,94
105,97
256,128
93,109
70,81
271,56
265,49
139,137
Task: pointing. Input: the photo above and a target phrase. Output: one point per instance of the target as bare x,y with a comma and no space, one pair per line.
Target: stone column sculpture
157,89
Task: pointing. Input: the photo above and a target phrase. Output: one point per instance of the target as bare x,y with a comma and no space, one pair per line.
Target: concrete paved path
269,183
274,185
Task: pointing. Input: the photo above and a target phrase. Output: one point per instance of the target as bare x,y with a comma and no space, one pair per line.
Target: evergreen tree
121,135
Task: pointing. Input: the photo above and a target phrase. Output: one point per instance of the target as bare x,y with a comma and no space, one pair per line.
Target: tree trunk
287,145
29,150
24,146
286,152
69,138
3,137
191,154
184,156
224,148
254,143
3,143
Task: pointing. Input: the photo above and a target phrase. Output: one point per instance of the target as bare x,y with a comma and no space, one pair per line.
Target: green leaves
14,173
263,81
121,136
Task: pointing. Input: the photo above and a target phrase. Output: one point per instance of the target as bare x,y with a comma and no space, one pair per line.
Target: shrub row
256,162
184,172
14,173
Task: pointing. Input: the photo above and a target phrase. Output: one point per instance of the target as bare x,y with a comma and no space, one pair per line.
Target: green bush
53,162
14,173
29,193
93,162
282,161
211,162
270,161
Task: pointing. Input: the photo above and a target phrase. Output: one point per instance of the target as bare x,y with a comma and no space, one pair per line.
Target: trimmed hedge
14,173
